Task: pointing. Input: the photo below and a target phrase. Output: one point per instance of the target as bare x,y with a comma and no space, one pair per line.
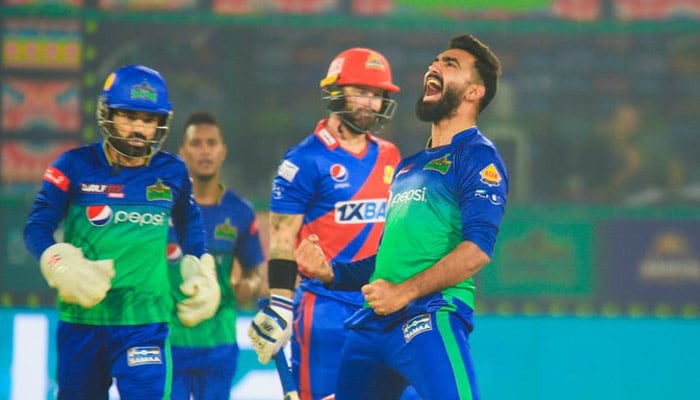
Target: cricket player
205,356
443,216
334,183
114,198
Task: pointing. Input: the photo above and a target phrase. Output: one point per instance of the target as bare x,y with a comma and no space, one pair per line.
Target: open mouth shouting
433,87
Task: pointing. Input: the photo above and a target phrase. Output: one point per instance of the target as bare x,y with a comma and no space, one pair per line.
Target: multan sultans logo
136,356
144,91
158,191
416,325
226,231
441,165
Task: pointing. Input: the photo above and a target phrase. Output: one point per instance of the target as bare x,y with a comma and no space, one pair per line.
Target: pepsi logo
99,215
339,173
174,253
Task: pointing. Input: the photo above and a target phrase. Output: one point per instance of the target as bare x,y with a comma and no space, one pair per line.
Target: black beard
121,145
442,109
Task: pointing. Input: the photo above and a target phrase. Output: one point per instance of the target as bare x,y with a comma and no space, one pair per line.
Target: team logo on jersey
159,191
441,165
173,252
57,178
360,211
339,173
416,325
99,215
490,175
388,174
226,231
136,356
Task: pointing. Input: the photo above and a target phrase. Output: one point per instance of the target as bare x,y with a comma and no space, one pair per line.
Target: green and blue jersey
231,232
440,197
119,213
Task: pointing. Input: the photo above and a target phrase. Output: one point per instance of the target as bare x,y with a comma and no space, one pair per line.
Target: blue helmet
134,88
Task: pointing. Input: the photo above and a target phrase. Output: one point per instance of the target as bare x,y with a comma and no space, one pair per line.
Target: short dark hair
487,64
200,117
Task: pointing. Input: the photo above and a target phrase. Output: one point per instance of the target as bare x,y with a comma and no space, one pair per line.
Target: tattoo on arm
284,231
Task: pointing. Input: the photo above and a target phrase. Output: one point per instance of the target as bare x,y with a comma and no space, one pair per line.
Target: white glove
271,328
201,287
78,280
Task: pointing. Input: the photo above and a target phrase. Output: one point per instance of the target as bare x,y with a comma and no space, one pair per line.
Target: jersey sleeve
49,205
187,219
482,185
351,276
294,185
249,249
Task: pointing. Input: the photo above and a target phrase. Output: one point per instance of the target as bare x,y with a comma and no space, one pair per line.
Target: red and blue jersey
342,195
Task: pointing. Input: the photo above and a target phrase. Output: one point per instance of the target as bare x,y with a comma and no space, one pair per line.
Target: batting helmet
134,88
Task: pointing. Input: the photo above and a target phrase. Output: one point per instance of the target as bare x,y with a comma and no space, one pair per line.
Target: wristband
281,274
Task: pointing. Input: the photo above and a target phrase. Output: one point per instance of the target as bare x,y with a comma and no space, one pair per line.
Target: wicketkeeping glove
271,328
201,288
77,280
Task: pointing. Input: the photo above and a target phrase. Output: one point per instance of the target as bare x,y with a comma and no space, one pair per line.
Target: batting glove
271,328
77,280
201,288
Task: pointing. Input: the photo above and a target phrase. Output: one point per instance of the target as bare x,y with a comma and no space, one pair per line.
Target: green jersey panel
135,238
217,330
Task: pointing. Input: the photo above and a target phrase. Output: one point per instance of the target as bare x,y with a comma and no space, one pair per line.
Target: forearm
41,225
247,287
284,230
460,264
281,271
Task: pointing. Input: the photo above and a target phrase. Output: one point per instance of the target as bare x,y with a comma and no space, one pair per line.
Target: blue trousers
425,345
204,372
89,356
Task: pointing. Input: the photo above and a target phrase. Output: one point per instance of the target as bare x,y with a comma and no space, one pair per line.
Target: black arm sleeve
353,275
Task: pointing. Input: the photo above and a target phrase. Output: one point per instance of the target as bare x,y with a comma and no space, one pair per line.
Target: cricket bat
289,389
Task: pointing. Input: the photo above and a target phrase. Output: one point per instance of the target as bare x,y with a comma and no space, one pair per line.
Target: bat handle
288,385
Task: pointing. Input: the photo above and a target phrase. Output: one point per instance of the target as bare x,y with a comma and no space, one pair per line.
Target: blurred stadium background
594,290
